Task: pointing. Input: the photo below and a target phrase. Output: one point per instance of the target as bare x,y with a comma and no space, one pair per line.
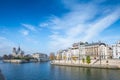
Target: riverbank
22,61
15,61
89,66
112,64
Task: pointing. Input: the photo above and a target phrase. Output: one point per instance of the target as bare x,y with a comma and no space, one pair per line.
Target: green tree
52,56
5,56
88,60
83,60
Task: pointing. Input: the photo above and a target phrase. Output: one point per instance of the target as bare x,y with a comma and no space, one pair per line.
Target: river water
45,71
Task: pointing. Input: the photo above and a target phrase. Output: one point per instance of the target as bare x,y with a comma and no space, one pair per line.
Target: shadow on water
45,71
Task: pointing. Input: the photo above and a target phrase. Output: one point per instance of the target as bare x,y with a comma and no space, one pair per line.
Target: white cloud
102,24
6,46
29,27
43,24
83,22
24,32
31,40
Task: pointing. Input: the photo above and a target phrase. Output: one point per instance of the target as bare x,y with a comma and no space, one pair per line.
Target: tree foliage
88,60
83,60
5,56
52,56
64,57
74,58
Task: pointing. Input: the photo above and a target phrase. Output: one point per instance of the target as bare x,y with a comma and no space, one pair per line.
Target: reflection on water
75,73
45,71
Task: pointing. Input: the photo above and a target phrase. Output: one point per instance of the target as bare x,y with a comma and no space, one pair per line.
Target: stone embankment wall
112,64
14,61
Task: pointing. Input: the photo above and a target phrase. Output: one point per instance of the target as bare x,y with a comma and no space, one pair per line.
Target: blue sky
49,25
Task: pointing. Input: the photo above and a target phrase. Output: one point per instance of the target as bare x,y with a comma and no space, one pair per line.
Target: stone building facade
116,50
95,50
17,52
40,56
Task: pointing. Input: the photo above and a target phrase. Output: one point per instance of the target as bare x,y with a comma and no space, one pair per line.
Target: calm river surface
45,71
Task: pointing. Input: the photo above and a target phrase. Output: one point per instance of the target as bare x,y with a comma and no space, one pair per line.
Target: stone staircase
95,61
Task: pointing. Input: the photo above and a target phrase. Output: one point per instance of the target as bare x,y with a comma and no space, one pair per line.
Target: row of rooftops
76,45
39,53
88,44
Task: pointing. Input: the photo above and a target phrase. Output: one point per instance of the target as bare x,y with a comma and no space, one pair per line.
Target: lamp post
80,51
100,58
99,54
79,54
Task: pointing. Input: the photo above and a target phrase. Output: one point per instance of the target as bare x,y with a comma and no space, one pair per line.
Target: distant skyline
49,25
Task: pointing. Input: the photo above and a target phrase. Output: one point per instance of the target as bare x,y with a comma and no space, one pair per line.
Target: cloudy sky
49,25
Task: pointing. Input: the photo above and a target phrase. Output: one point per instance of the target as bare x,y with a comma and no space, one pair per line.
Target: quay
113,64
15,61
92,55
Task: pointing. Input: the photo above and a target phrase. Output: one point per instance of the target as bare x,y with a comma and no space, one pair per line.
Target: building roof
97,43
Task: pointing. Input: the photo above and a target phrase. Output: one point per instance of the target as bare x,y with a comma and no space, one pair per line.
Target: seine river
45,71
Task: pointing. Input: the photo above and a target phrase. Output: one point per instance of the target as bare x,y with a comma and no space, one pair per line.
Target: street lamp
100,58
79,54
